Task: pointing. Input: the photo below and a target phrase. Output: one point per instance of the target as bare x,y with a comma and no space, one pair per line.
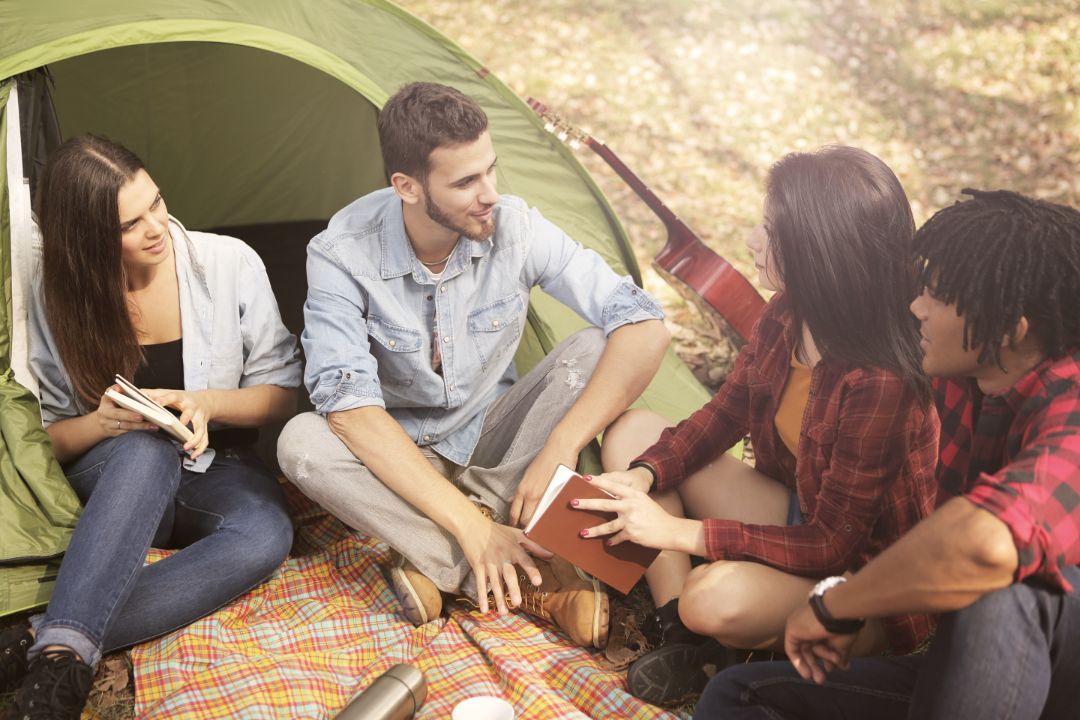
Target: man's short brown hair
421,117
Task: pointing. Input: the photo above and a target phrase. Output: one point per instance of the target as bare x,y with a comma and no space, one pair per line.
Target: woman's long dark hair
840,230
85,283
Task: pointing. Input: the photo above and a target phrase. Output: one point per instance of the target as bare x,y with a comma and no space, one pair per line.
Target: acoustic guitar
690,266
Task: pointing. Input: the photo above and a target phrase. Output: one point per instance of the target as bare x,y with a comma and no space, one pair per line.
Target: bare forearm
630,360
74,436
251,406
689,537
378,441
945,563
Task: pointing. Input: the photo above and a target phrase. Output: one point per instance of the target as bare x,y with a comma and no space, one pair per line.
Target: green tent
256,118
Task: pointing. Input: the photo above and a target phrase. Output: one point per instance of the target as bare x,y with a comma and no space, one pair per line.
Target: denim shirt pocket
495,328
396,349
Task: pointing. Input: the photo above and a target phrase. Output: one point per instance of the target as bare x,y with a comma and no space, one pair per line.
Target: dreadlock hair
840,229
1001,256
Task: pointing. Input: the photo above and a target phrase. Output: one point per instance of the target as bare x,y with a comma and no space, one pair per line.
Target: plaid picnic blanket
305,642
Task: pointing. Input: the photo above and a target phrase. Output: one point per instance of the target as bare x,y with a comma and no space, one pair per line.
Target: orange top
789,413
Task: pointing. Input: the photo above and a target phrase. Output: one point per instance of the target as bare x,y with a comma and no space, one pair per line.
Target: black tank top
163,367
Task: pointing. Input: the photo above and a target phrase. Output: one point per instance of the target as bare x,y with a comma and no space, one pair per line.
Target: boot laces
60,684
532,599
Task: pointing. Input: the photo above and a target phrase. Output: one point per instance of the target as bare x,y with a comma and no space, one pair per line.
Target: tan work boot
419,597
569,598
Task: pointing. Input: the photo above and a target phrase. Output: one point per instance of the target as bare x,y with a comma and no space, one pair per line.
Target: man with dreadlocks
1000,323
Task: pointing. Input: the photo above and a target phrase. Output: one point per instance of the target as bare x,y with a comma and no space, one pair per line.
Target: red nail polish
609,543
587,477
574,502
584,533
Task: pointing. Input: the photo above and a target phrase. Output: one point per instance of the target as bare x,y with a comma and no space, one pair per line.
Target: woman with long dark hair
830,390
127,290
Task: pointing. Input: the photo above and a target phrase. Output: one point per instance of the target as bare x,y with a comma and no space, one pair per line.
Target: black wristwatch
647,466
817,604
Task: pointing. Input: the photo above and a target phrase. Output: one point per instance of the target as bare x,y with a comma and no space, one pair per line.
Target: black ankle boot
55,688
669,628
14,642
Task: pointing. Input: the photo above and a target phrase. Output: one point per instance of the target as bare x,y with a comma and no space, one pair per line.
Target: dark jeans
230,523
1013,654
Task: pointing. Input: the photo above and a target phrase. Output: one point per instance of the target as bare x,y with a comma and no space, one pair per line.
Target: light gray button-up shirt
372,313
233,336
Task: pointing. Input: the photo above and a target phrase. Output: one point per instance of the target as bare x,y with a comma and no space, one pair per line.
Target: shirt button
495,323
442,289
429,297
427,438
451,387
392,343
446,338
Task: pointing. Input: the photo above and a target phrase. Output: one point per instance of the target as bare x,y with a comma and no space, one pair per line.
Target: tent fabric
208,92
327,624
38,507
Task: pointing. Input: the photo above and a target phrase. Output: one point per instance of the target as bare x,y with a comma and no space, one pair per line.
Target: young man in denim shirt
422,435
999,558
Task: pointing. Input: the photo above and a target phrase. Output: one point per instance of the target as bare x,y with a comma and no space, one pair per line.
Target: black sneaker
14,642
55,688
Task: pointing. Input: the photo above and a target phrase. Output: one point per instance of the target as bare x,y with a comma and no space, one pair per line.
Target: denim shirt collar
189,264
396,252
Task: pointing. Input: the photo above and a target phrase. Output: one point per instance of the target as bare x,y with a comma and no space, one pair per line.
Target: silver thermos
395,695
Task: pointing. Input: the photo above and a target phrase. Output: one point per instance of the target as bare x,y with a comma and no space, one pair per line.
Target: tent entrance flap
233,135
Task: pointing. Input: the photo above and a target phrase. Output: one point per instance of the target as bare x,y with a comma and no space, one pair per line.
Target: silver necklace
433,263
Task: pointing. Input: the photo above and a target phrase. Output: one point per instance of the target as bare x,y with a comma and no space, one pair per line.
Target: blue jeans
230,523
1013,654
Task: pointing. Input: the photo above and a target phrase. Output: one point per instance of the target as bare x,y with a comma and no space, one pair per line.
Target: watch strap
833,625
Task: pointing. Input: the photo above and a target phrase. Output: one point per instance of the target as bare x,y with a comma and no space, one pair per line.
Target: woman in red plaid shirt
831,393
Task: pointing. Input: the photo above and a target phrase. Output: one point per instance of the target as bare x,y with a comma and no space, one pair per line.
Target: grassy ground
699,97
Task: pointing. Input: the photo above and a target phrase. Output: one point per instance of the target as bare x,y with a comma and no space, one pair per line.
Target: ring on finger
117,424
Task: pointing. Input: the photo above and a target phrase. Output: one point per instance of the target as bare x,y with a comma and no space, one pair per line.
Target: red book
557,527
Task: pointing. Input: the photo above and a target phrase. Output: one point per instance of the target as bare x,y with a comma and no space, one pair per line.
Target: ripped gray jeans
515,429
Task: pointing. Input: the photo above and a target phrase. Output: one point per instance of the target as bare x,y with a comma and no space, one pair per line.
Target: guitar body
698,272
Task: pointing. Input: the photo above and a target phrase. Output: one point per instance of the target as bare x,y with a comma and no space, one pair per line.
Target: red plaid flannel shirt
1017,455
864,474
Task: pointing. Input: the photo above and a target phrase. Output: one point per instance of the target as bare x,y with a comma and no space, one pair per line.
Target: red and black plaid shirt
864,473
1017,455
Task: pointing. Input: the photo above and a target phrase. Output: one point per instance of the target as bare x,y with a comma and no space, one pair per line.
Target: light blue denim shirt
372,309
232,332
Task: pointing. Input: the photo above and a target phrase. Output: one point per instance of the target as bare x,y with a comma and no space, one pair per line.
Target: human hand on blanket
640,518
813,650
195,408
493,551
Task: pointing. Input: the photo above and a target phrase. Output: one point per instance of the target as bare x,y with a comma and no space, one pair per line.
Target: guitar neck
699,269
669,218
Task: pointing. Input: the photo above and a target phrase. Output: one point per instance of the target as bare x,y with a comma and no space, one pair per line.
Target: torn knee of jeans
574,377
300,474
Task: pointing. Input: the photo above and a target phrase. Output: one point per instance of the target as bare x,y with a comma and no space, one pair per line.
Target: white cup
483,707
